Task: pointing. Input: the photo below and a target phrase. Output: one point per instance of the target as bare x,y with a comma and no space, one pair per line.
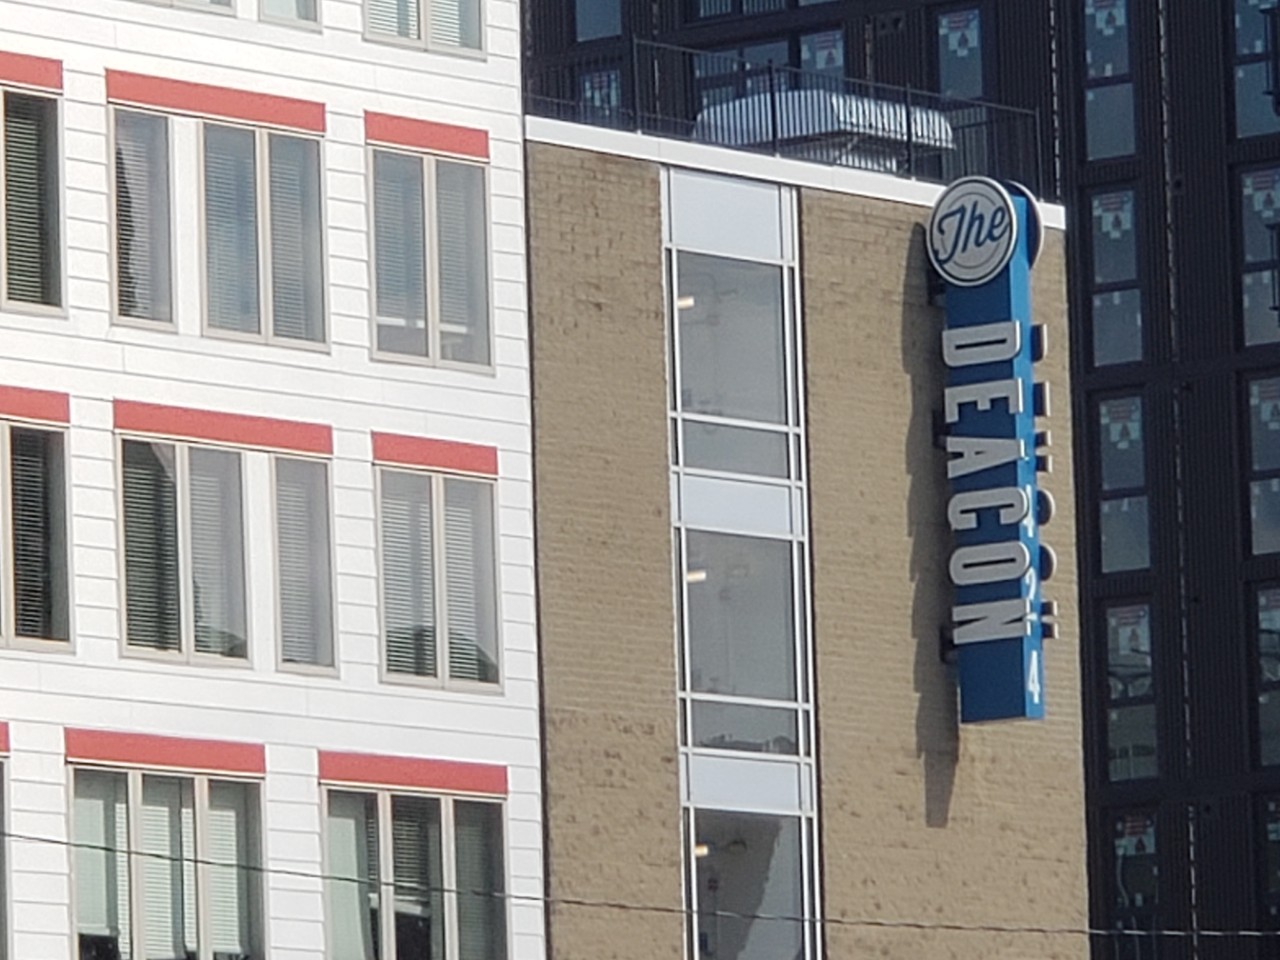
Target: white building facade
268,664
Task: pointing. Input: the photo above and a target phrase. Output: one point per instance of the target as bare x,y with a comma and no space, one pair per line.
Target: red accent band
451,776
30,71
142,749
4,737
230,428
31,404
184,97
426,135
438,454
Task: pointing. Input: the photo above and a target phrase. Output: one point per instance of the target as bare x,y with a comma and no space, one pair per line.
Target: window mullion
186,594
137,862
200,801
440,571
449,878
431,254
386,877
266,296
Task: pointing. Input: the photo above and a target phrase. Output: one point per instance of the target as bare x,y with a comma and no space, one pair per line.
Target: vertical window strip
399,217
39,534
143,257
216,528
395,18
231,229
408,574
32,256
150,506
462,262
303,562
297,288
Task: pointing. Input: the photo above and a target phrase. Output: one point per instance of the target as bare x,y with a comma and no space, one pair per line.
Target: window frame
223,11
1094,288
1237,61
383,796
9,638
1089,85
288,666
7,304
262,200
424,43
200,781
6,860
1102,497
308,26
1107,701
443,680
186,652
430,250
117,317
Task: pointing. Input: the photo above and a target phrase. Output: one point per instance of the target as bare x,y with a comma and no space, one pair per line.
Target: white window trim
262,178
186,651
21,306
424,42
227,11
117,317
432,272
442,680
285,666
133,805
8,625
6,861
386,861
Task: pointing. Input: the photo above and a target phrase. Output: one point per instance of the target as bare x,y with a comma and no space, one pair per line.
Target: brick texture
922,821
604,541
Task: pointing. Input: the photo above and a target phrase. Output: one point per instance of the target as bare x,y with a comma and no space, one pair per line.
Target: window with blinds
298,11
430,211
184,547
450,24
144,283
440,894
264,260
166,866
38,531
31,270
303,562
439,592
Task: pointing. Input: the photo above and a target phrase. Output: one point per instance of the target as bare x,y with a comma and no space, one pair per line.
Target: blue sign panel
983,241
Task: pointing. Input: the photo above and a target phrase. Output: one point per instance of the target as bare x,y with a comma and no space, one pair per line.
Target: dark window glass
1137,875
823,52
1106,39
39,530
960,54
1264,464
1131,712
1271,862
1268,625
1117,327
1108,117
1115,246
1125,534
600,94
33,252
1256,98
1260,246
597,18
1122,452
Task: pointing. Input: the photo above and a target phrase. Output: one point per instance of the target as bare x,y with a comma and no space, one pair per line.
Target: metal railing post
635,83
911,134
773,106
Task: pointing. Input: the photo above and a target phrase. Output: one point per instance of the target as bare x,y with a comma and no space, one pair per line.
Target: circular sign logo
972,231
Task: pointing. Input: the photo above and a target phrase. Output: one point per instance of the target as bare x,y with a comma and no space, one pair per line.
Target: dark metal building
1165,141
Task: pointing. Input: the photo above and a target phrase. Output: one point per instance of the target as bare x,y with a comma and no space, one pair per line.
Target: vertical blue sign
983,241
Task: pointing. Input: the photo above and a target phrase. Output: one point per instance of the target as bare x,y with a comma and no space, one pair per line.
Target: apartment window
4,868
431,258
1124,527
144,282
438,24
1116,313
220,5
167,866
184,549
1264,465
264,274
304,562
1267,623
1131,710
823,53
594,19
32,241
291,11
35,565
749,885
1271,858
439,596
1260,249
1136,881
1108,85
415,876
960,71
1257,97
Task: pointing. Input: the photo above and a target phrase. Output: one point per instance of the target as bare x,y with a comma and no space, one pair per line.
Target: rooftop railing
727,101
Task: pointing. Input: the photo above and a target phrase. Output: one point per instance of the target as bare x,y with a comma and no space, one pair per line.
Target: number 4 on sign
1033,676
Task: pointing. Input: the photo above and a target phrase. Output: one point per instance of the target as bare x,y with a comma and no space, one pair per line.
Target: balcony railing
727,101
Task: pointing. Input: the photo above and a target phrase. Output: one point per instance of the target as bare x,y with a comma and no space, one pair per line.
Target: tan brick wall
604,554
922,821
